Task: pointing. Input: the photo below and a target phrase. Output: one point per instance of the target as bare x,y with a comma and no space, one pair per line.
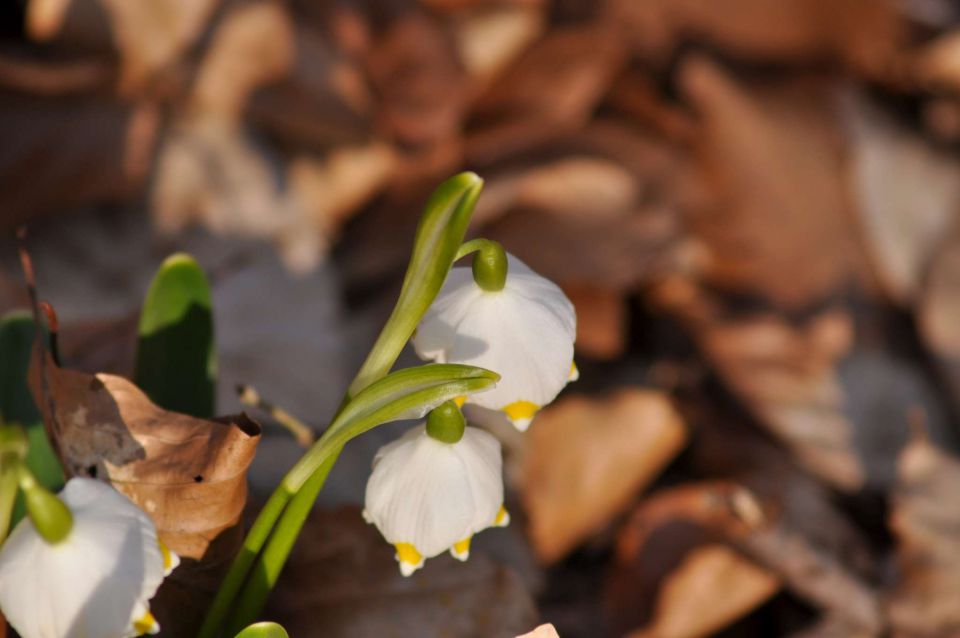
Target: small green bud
490,266
445,423
49,514
13,441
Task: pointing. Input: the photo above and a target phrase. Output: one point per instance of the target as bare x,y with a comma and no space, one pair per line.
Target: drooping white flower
524,332
426,496
95,583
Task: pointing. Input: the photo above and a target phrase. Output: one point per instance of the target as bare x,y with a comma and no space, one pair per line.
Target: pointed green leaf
405,394
176,361
264,630
438,237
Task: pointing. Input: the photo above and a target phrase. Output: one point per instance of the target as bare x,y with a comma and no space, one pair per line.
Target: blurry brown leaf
902,223
939,311
415,70
62,152
490,39
53,78
586,458
718,583
251,47
601,321
924,518
937,64
342,581
869,35
833,627
188,474
559,79
776,198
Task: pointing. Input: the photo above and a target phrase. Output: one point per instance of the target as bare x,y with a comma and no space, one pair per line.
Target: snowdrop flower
95,581
435,487
502,316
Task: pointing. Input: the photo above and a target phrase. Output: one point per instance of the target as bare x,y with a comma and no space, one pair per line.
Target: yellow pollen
461,549
521,410
407,553
146,624
460,401
574,372
503,517
167,557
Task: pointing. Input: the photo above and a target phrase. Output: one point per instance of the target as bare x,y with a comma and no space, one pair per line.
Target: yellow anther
521,413
503,517
146,624
410,559
461,549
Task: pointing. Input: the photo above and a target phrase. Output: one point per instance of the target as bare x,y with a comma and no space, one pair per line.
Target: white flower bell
434,488
94,583
521,327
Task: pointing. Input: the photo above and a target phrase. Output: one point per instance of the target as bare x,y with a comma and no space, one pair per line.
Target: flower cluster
439,484
94,582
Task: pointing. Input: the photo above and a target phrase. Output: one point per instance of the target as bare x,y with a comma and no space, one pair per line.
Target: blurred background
753,205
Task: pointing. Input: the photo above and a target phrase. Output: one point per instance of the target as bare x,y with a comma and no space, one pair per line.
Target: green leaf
405,394
438,238
263,630
176,361
16,402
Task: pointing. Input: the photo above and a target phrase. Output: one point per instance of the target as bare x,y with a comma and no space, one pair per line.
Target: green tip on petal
49,514
445,423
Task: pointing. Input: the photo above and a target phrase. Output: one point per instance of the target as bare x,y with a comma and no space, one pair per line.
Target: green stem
275,554
244,561
489,264
9,481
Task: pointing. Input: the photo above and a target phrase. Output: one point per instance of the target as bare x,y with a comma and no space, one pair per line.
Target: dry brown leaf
342,582
775,216
559,80
491,38
586,458
903,224
415,70
601,321
937,64
717,582
924,518
188,474
94,151
252,46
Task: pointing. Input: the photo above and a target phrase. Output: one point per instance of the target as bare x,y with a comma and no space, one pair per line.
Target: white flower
96,582
524,332
427,497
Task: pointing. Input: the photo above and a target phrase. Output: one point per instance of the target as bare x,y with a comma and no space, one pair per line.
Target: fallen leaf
924,517
342,581
716,581
601,321
903,224
771,161
491,38
585,460
188,474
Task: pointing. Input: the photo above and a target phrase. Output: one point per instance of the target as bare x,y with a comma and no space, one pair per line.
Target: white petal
431,494
525,333
90,584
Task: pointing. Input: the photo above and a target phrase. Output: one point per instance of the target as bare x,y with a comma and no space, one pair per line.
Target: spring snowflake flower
524,332
97,581
427,496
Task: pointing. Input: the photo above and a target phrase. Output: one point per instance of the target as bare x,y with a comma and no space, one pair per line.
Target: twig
300,431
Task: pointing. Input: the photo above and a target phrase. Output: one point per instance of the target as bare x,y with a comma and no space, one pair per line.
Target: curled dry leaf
586,458
601,321
924,518
771,163
344,583
189,474
717,582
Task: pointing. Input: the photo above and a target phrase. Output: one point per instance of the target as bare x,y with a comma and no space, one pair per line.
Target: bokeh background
753,205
